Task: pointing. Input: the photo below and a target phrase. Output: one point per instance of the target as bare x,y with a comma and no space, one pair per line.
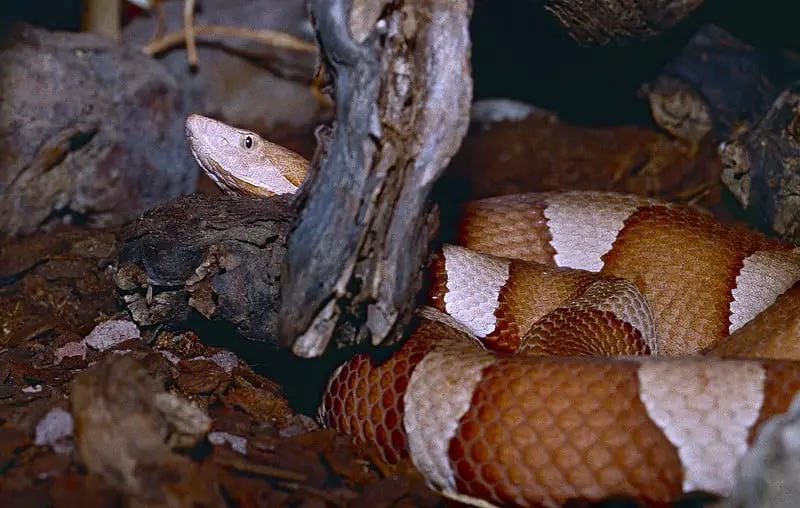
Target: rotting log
762,168
403,90
220,257
716,86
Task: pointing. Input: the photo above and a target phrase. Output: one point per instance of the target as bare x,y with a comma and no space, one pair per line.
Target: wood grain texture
402,100
760,165
219,257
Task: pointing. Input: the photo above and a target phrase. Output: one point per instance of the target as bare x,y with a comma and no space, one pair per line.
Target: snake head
241,161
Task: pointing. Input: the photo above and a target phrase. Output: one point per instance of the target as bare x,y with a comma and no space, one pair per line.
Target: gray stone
90,132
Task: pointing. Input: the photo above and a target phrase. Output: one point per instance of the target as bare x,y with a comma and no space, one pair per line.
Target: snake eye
248,142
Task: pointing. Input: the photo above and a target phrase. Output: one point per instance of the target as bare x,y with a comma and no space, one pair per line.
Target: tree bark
362,237
220,257
762,168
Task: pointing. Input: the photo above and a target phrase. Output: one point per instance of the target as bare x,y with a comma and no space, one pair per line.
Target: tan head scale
242,162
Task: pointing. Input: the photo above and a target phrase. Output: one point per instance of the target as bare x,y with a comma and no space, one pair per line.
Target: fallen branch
270,37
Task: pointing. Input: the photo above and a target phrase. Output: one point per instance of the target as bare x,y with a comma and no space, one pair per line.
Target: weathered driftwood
403,90
762,168
220,257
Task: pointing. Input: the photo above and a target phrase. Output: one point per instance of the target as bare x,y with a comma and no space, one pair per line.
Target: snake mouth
249,188
292,179
231,182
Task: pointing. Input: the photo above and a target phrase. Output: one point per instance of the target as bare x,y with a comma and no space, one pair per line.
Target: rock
769,474
110,333
90,132
55,430
237,443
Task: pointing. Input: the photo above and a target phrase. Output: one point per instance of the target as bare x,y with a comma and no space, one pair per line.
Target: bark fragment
220,257
762,168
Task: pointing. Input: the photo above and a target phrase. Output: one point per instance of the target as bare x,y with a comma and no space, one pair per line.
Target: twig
158,10
694,195
264,470
270,37
189,29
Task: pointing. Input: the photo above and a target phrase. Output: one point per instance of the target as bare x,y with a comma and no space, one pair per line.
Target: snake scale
572,344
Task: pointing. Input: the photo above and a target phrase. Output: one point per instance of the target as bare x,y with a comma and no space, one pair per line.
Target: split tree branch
356,254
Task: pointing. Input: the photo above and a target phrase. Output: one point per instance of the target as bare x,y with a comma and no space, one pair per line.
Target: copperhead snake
572,345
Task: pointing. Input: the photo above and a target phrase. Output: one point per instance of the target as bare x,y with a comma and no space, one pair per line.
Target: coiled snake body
575,345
